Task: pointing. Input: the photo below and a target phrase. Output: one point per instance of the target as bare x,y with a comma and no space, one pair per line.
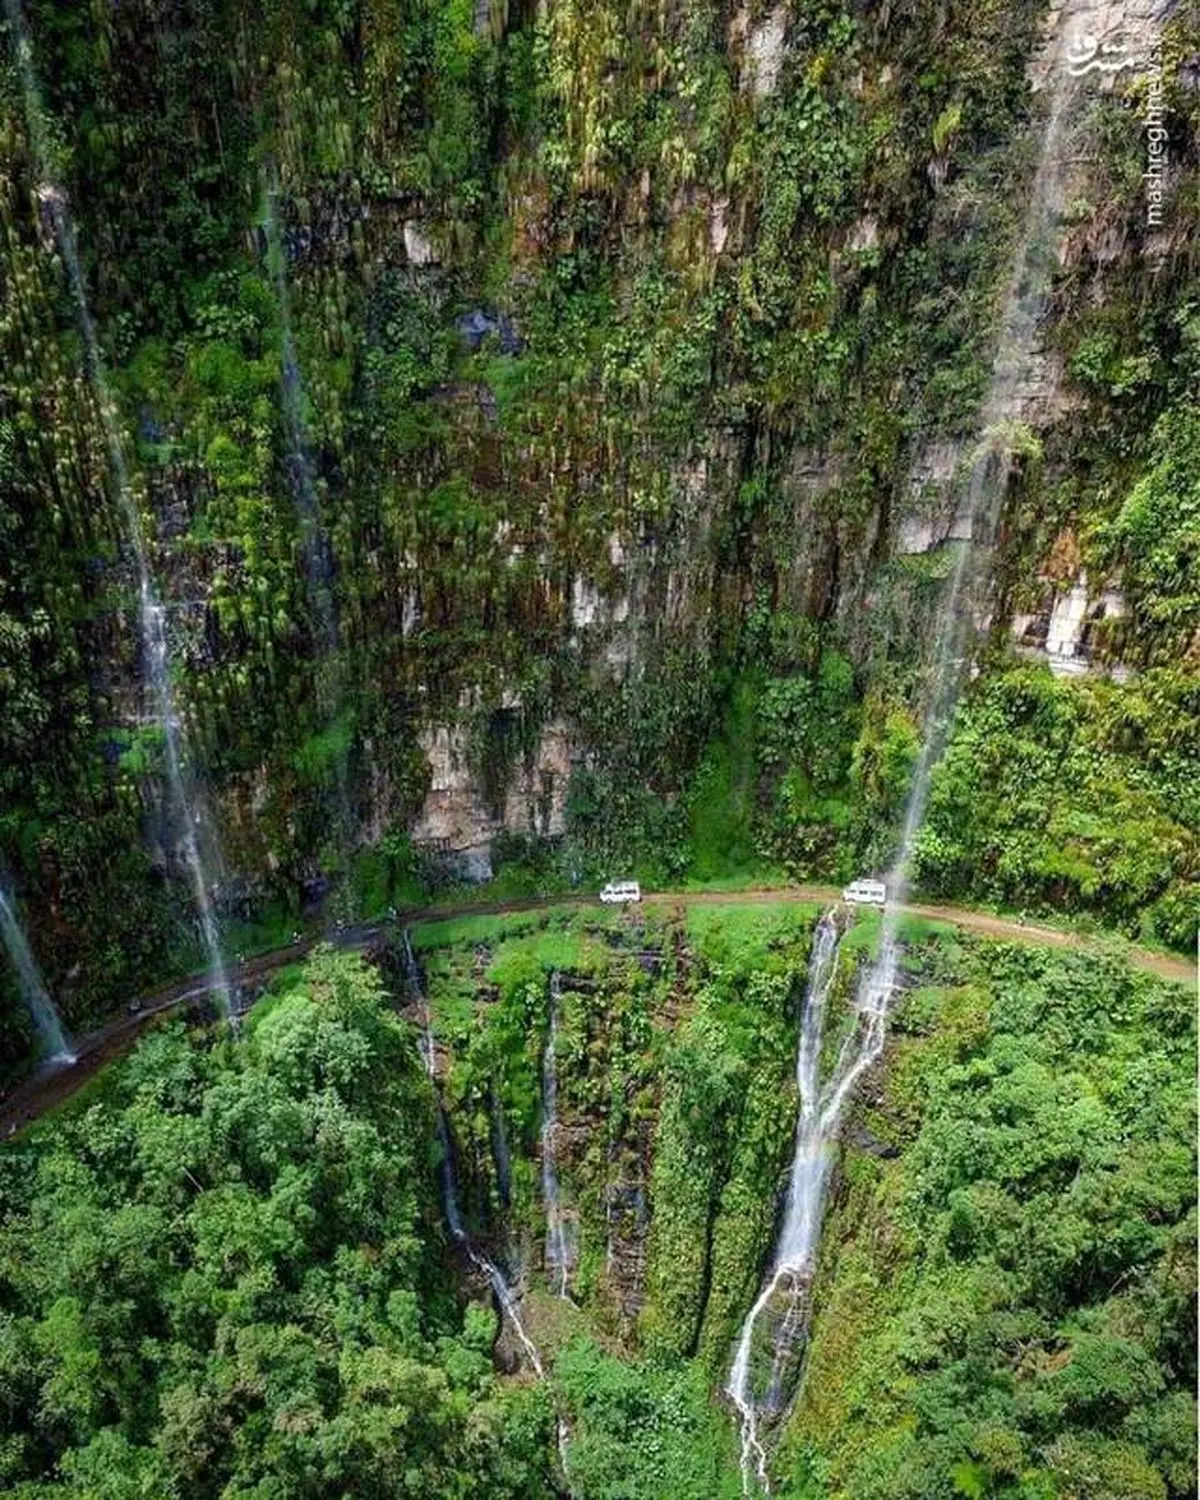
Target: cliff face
670,1128
498,385
314,1232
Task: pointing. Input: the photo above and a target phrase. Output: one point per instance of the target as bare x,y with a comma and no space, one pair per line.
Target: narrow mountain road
49,1087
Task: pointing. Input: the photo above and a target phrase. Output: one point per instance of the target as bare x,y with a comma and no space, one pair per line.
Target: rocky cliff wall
617,333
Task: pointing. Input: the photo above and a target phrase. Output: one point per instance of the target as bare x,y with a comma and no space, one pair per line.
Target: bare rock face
1038,397
764,48
587,606
1072,628
812,477
455,818
933,511
417,245
628,1216
718,224
918,534
1105,42
864,237
1067,615
483,17
537,799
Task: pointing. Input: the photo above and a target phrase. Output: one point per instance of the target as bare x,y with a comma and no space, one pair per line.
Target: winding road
51,1086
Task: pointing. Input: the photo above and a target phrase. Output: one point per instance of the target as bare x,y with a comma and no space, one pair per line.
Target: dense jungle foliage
226,1272
544,423
217,1279
498,367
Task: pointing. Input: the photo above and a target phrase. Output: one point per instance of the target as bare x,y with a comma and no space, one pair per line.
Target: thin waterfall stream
53,1043
503,1293
151,615
314,544
316,554
557,1251
776,1321
771,1345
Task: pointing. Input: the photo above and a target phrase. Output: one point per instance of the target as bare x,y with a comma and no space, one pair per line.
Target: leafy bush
232,1286
1009,1302
1073,796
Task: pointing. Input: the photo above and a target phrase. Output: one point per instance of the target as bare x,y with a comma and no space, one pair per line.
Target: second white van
865,893
617,892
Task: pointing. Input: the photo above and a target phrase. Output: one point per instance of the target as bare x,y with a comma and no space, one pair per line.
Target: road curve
52,1086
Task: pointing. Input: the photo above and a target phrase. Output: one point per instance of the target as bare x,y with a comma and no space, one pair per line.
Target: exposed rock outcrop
1074,627
764,50
456,820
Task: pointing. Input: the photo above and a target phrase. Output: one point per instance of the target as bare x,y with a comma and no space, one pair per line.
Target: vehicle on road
865,893
617,892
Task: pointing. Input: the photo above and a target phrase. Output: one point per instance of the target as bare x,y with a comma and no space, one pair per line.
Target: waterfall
785,1300
1013,371
446,1174
152,620
155,654
557,1249
777,1324
52,1040
318,564
503,1293
316,553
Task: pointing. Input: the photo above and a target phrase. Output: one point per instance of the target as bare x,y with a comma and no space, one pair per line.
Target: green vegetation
643,1431
224,1271
1069,796
622,360
1008,1301
720,839
218,1279
718,330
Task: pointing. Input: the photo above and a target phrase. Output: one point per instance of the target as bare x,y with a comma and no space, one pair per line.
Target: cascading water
155,654
52,1039
1012,372
778,1317
501,1288
784,1302
152,619
318,565
557,1248
495,1277
316,554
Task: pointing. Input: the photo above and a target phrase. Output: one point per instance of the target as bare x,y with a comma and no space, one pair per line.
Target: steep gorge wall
621,331
980,1204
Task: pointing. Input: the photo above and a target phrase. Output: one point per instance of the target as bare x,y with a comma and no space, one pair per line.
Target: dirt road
48,1088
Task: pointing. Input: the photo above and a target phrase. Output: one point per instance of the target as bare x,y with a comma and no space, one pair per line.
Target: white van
866,893
617,892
